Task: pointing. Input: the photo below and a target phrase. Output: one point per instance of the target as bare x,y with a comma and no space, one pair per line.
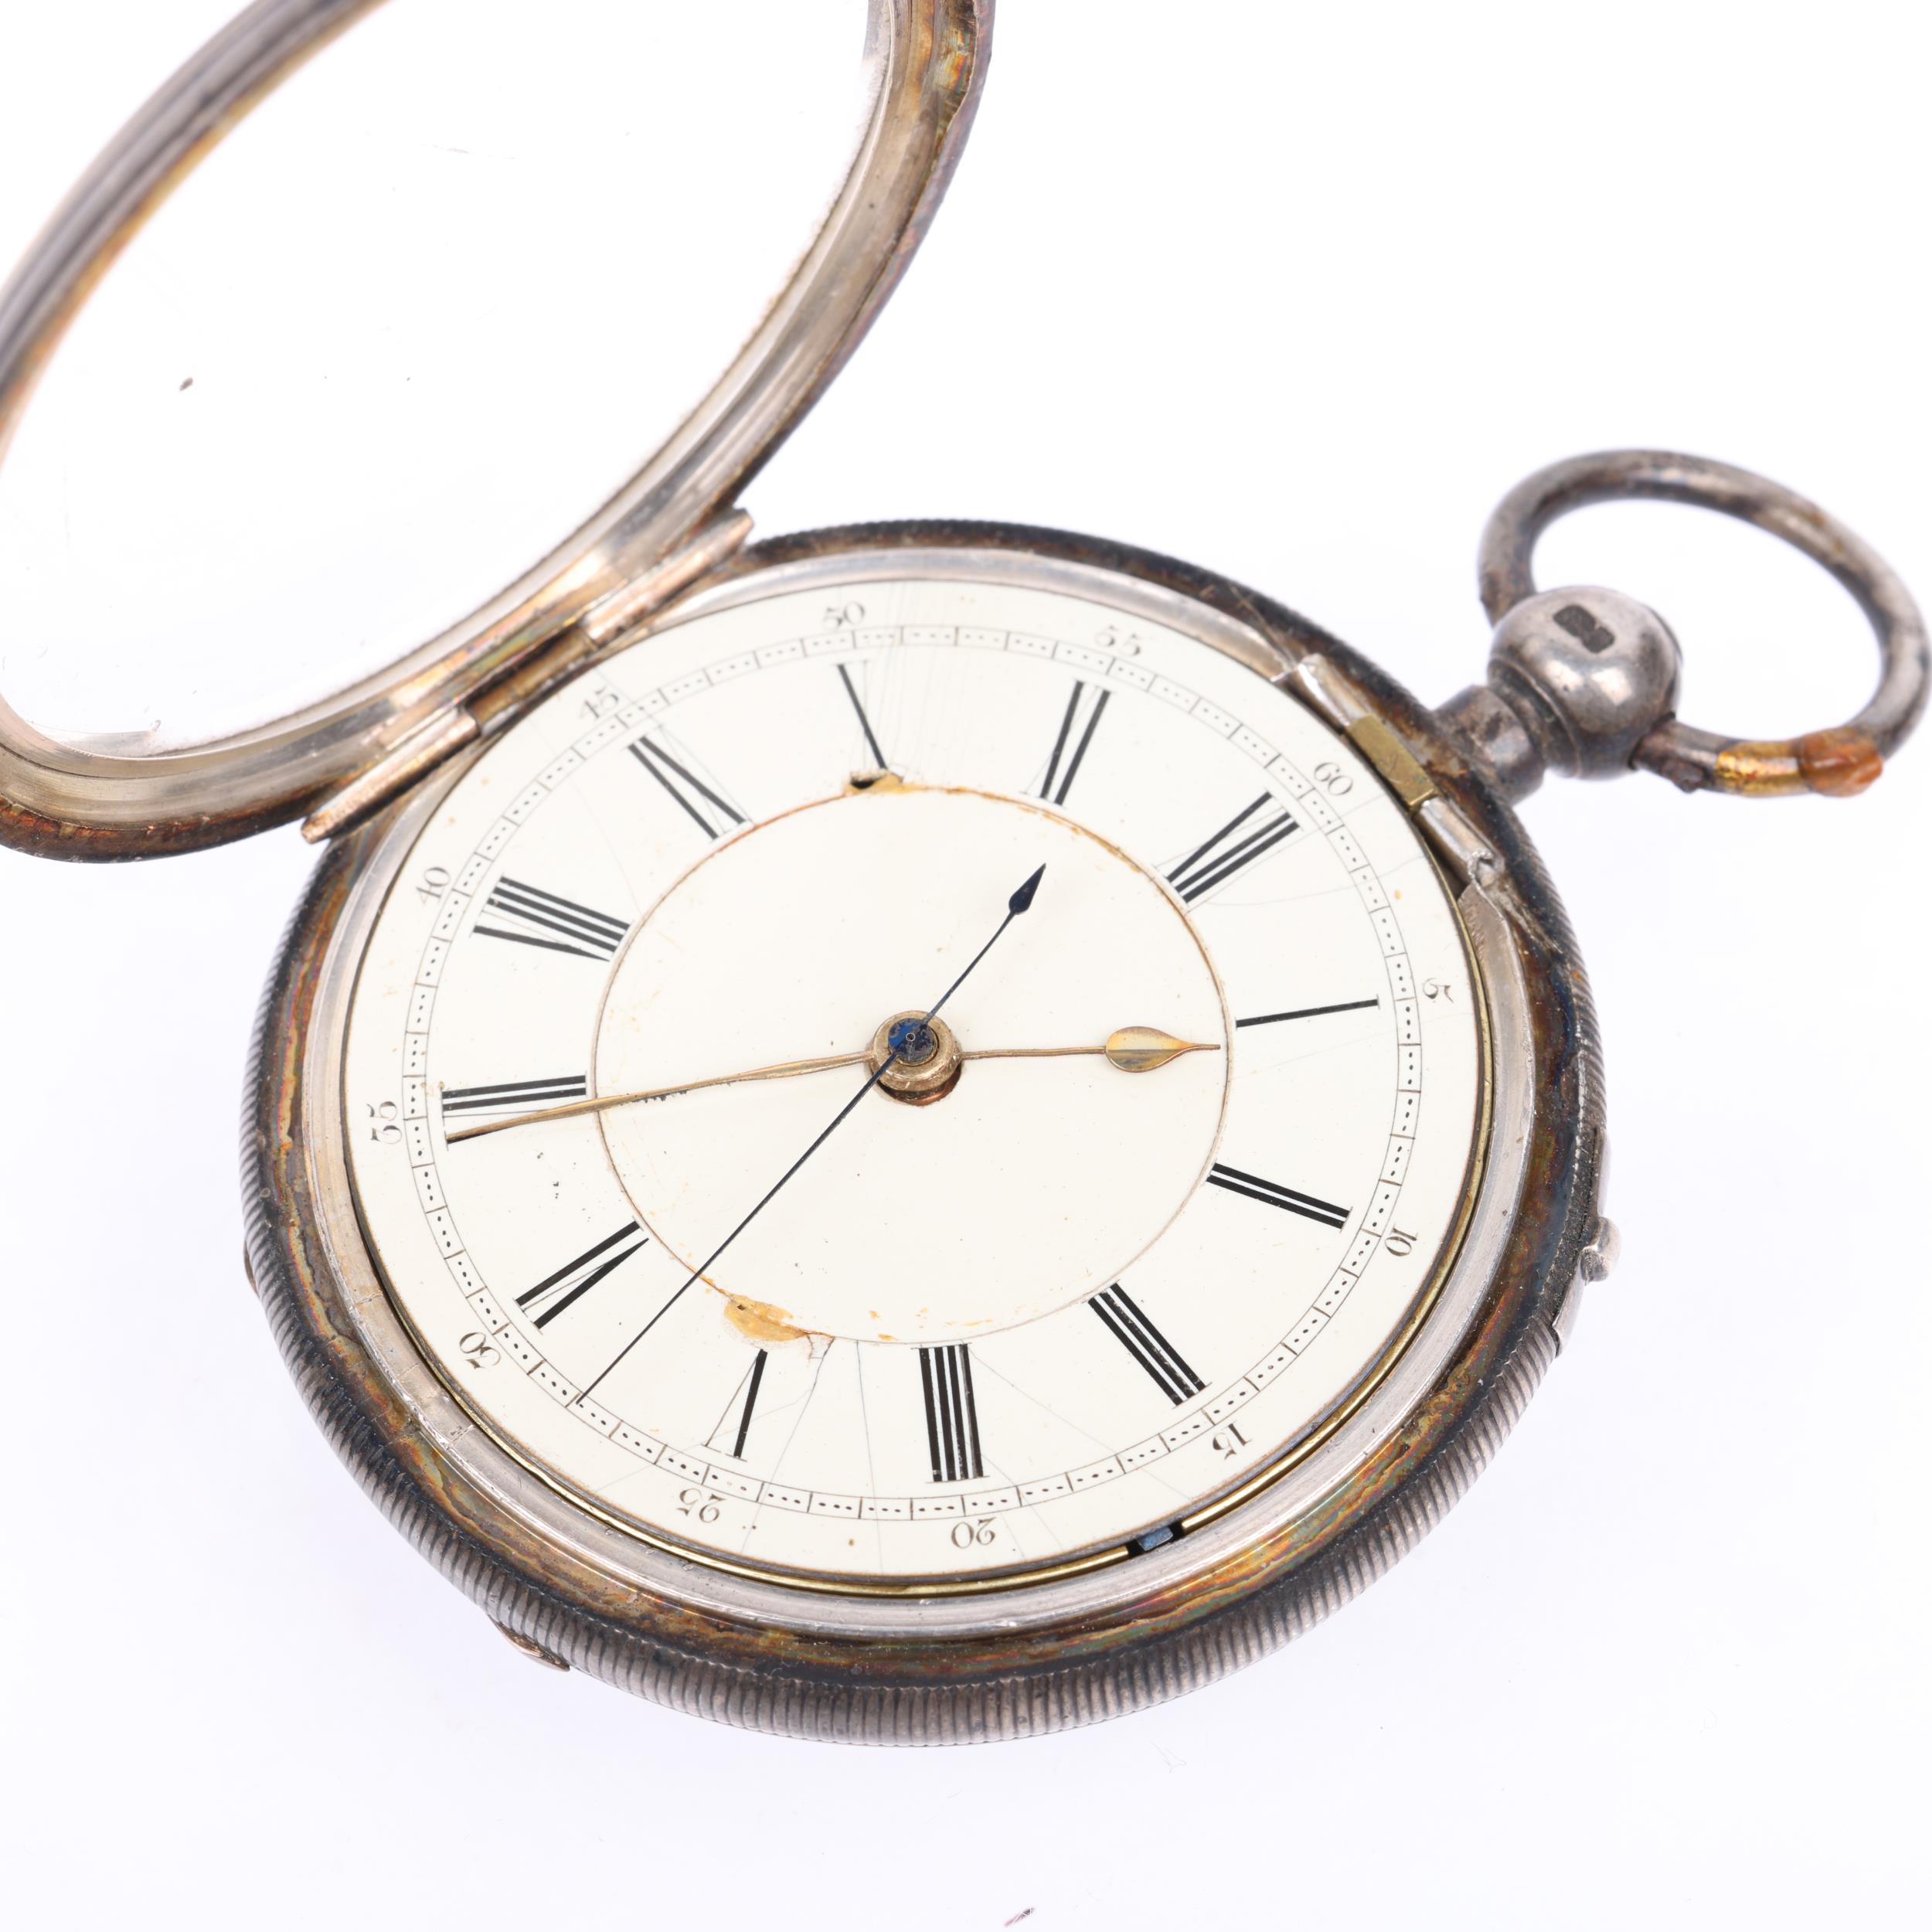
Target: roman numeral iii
1274,1194
952,1424
1127,1323
572,1282
1236,846
557,925
701,805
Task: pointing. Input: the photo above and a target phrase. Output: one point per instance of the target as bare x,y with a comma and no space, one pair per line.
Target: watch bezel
925,63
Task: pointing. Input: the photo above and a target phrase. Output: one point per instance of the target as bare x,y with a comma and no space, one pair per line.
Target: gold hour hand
1134,1049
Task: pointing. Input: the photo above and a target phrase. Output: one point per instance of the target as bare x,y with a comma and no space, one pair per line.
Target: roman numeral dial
952,1420
697,1223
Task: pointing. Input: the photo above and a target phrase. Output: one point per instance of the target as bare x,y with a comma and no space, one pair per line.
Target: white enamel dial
1052,1307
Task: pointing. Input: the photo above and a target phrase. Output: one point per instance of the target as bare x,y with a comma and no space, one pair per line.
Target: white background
1294,293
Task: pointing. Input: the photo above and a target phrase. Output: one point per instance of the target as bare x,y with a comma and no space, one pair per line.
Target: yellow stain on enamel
760,1321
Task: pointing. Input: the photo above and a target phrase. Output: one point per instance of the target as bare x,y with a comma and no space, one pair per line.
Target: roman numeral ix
1062,766
952,1424
1216,861
514,1096
1127,1323
572,928
1275,1195
572,1282
687,788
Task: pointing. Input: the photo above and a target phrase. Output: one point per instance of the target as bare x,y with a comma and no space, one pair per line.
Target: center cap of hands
1041,1178
917,1060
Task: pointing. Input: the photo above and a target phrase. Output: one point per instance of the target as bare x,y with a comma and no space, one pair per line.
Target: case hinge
486,712
1326,690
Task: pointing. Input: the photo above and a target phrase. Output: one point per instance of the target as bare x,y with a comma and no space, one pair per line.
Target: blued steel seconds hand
905,1035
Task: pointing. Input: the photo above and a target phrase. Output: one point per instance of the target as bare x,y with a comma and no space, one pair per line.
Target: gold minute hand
1134,1049
783,1070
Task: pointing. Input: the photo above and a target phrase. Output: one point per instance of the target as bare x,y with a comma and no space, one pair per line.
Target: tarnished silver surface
1584,680
925,59
1589,672
932,1668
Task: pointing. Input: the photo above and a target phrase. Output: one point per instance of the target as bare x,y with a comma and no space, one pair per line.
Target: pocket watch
923,1132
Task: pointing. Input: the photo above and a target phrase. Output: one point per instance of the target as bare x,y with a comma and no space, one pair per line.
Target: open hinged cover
202,630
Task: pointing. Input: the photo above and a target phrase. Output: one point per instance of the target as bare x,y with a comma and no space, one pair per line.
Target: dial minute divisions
1133,1049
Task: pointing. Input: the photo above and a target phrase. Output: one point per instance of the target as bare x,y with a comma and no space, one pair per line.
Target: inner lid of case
408,327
